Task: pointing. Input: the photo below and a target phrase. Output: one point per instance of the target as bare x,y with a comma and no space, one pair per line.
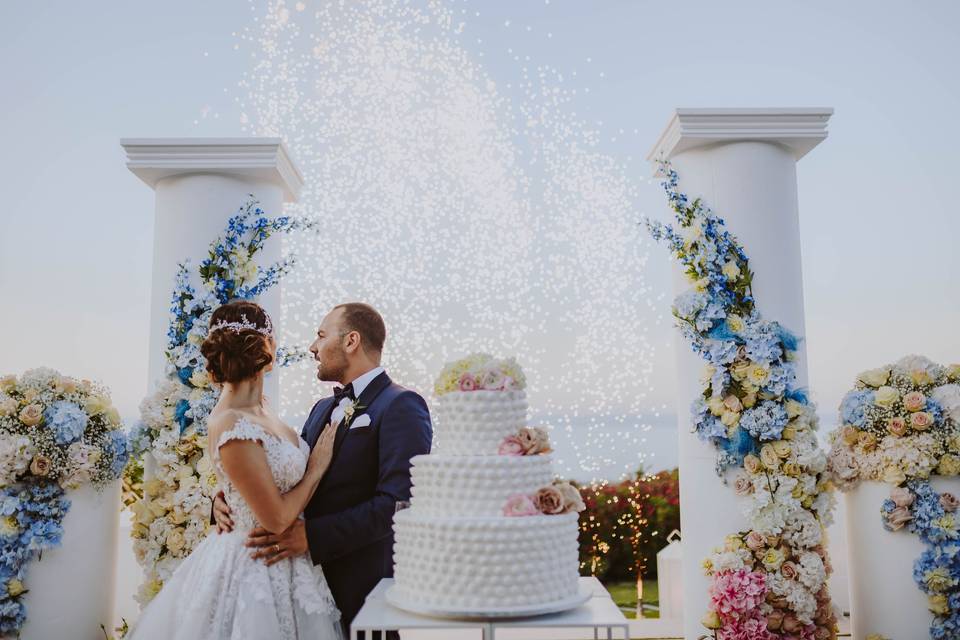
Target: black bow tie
339,393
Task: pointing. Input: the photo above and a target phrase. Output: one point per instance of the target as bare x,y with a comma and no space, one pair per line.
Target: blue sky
877,207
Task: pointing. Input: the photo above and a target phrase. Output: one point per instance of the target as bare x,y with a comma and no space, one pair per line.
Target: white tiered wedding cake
488,531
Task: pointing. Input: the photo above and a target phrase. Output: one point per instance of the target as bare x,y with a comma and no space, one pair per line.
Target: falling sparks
473,220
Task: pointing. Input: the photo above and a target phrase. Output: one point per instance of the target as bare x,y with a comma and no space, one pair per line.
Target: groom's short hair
366,321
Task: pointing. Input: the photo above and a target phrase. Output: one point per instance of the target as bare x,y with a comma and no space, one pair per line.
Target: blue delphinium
853,408
66,420
765,421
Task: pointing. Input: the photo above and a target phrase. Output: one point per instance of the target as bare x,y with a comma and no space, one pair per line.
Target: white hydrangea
16,452
802,530
948,397
810,570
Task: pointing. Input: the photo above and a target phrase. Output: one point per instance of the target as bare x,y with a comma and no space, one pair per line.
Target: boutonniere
350,412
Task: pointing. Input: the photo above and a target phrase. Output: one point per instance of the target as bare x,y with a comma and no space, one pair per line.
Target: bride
267,473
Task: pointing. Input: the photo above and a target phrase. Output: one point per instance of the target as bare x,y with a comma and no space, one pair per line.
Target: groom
347,526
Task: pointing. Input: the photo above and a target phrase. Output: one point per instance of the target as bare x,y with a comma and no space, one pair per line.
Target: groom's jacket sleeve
405,431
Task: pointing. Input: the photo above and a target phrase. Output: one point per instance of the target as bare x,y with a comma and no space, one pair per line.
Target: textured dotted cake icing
473,563
470,423
448,485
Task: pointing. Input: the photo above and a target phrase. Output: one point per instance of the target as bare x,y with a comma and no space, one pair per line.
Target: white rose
886,397
731,270
875,377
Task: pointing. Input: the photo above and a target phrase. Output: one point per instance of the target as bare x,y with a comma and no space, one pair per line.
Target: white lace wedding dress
219,592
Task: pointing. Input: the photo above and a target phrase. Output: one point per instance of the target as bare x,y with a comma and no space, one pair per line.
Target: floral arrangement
173,478
769,581
556,498
480,372
56,433
901,425
528,441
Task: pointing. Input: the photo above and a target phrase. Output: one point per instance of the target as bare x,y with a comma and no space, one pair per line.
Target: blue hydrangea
688,304
853,408
765,421
140,438
780,379
66,420
762,341
118,448
719,352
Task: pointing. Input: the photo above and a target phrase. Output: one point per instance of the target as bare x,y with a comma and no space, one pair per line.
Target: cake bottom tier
472,563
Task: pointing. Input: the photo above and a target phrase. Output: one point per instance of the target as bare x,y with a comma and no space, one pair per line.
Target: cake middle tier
474,486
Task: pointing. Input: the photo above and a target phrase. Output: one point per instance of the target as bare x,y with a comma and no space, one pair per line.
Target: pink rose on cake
468,382
511,446
534,440
520,505
549,500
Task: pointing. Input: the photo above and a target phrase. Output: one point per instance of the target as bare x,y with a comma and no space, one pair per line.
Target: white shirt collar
362,381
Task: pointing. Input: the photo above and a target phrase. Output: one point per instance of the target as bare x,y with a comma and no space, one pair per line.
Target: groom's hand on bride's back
272,548
221,513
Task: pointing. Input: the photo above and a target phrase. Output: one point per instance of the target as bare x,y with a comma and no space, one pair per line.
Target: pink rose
468,382
733,403
897,426
756,541
774,620
901,496
897,518
511,446
742,484
534,440
822,633
519,505
914,401
548,500
789,570
949,502
791,624
921,420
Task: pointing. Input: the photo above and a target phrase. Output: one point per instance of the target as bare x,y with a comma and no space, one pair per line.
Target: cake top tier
480,372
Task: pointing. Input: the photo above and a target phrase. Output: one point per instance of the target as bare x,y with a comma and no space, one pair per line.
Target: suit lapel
317,426
366,398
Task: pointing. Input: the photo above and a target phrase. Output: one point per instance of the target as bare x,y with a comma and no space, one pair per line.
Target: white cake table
598,613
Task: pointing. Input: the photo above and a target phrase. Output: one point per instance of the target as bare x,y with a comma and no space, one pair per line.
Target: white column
742,162
199,184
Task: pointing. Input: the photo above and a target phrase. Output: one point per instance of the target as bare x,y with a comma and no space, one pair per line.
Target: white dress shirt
358,386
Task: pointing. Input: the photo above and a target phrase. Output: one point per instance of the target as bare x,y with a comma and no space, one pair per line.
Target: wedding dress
220,592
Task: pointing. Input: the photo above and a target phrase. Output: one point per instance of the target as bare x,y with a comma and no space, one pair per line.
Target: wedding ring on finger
276,549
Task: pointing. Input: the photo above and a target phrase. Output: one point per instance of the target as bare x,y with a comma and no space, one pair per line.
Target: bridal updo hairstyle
236,354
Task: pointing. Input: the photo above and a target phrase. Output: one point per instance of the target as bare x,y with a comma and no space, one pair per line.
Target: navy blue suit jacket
349,519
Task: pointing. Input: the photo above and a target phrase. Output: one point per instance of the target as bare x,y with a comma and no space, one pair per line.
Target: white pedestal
884,598
742,162
71,588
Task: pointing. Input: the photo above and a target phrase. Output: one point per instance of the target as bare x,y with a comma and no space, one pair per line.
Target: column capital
152,159
799,129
